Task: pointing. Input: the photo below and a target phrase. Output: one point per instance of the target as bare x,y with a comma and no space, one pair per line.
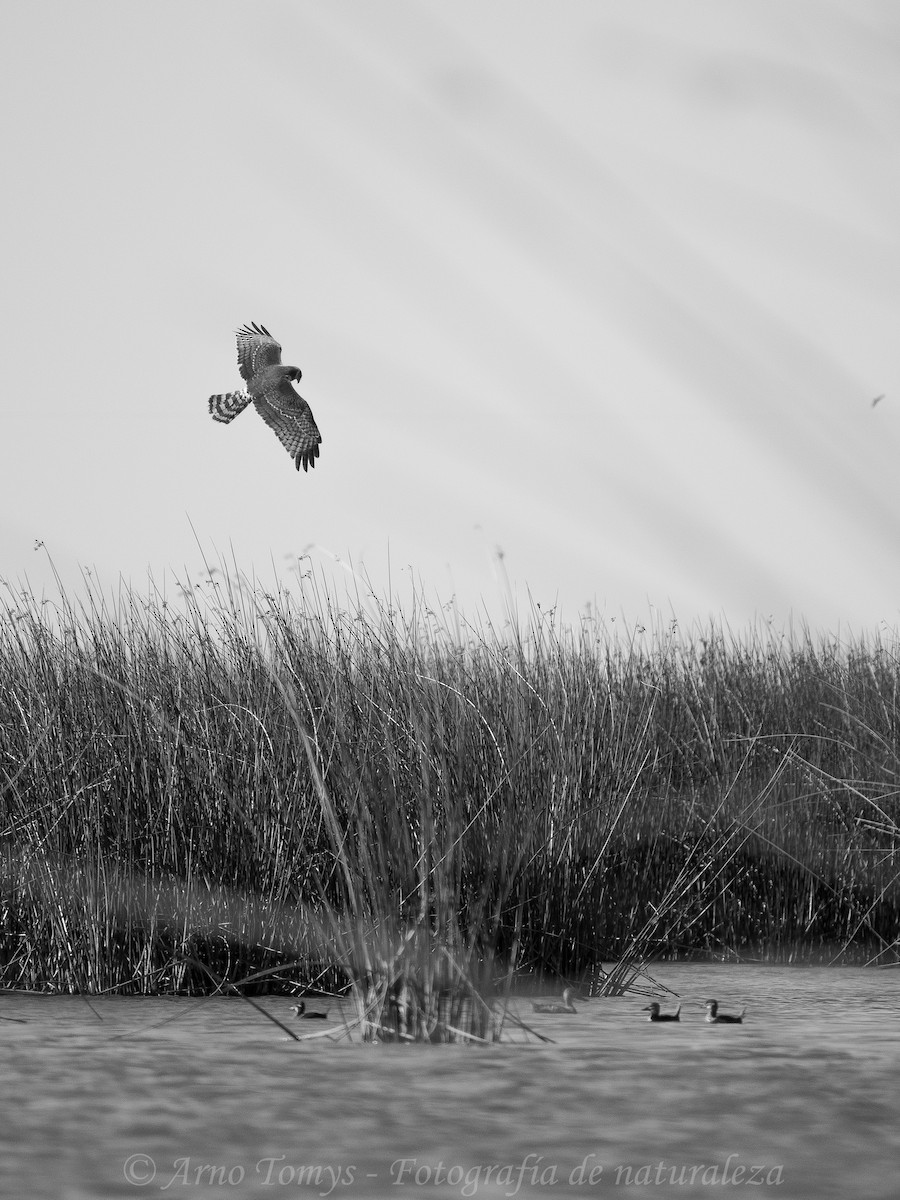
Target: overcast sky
596,295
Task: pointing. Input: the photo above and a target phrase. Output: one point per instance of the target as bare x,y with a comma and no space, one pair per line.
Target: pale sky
607,287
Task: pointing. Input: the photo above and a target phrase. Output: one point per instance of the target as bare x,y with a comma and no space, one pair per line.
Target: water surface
131,1097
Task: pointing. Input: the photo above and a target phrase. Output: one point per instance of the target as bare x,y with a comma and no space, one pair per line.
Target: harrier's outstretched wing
257,349
290,416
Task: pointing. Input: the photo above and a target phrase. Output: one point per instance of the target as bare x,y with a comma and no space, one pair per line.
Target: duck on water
302,1014
566,1007
656,1015
714,1017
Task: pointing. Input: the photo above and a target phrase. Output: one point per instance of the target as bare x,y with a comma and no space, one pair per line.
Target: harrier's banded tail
227,405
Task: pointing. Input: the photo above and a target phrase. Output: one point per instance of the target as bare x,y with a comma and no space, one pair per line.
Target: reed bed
421,813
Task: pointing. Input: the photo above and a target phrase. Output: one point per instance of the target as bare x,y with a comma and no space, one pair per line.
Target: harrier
269,387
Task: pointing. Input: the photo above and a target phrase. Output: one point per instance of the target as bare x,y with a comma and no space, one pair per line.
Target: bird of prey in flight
269,388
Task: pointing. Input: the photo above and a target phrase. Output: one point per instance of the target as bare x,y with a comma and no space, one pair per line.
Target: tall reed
392,802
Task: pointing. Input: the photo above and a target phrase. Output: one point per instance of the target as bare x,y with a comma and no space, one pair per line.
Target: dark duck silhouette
656,1015
714,1017
302,1014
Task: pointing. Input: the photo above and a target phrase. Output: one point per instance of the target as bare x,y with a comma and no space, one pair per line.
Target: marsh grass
283,790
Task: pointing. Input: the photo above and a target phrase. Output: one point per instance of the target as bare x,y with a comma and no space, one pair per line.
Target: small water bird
656,1015
714,1017
566,1007
300,1010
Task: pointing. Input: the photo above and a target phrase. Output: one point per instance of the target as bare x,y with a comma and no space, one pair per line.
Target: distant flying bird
877,398
269,387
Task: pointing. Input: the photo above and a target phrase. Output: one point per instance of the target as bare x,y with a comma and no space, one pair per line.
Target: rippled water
131,1097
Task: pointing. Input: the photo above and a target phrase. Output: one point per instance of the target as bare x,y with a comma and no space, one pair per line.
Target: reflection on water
139,1097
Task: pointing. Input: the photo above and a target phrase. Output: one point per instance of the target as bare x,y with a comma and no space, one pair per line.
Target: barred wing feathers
257,349
290,417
